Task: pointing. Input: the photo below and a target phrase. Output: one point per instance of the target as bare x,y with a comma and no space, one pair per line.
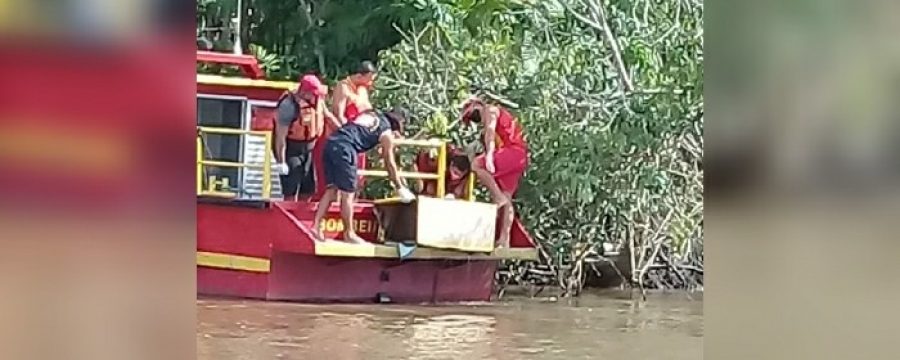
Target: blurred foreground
803,192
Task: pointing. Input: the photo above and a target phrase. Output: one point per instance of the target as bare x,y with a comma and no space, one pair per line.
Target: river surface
596,326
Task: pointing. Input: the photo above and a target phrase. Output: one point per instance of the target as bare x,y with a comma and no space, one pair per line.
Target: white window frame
248,110
248,116
245,124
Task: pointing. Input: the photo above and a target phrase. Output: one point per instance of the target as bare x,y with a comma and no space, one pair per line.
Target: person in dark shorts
300,120
339,159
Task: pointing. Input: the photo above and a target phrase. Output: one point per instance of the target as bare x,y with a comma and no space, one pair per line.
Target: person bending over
504,160
339,159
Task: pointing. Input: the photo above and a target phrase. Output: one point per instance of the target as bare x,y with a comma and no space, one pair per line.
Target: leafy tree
615,131
329,36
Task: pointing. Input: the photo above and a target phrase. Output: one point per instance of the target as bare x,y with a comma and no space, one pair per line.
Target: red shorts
509,165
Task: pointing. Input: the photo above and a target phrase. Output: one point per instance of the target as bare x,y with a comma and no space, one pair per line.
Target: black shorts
301,179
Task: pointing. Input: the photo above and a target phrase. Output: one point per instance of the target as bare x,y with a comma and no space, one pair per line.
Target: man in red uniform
504,160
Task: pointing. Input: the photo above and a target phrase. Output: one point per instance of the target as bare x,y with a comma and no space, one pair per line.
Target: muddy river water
596,326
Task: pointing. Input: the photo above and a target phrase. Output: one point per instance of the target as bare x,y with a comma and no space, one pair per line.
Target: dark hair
366,67
474,116
461,162
397,117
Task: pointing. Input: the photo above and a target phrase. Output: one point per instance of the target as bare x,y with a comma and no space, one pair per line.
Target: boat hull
265,251
310,278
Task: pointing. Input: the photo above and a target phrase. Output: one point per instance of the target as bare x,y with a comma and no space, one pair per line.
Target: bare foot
317,234
503,242
352,238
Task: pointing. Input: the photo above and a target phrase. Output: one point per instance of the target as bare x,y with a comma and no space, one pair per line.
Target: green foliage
607,165
268,61
330,36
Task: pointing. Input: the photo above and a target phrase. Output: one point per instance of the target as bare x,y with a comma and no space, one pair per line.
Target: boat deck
389,251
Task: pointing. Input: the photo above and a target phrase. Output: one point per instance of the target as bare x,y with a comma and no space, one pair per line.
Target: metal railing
213,186
439,176
470,187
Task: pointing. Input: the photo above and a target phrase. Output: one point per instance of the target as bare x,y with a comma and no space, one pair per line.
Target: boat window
222,113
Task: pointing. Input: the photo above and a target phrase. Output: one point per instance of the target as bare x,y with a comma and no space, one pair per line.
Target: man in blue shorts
339,159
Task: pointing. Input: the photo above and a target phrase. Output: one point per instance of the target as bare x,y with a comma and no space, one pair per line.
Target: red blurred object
247,63
83,128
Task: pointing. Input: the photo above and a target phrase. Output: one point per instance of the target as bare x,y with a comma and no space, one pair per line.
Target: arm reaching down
390,163
285,114
387,145
489,119
281,132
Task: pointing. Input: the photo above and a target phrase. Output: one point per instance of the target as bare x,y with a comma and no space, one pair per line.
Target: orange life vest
310,120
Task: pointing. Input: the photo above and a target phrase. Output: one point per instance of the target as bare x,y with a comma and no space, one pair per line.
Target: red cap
311,83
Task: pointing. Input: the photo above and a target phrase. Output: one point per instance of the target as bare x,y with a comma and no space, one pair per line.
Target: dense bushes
616,155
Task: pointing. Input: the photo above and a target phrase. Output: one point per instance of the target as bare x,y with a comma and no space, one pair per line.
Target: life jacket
310,120
357,100
509,131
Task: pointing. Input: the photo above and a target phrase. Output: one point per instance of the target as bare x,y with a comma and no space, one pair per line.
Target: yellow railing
439,176
212,188
470,187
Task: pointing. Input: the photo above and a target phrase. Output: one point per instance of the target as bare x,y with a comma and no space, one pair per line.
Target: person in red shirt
504,160
458,169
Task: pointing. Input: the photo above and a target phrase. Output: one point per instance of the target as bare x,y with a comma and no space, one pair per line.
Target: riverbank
555,294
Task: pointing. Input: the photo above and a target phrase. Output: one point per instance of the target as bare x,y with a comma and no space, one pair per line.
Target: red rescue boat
252,245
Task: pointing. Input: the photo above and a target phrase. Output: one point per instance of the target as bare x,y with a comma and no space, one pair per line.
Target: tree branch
581,17
599,16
